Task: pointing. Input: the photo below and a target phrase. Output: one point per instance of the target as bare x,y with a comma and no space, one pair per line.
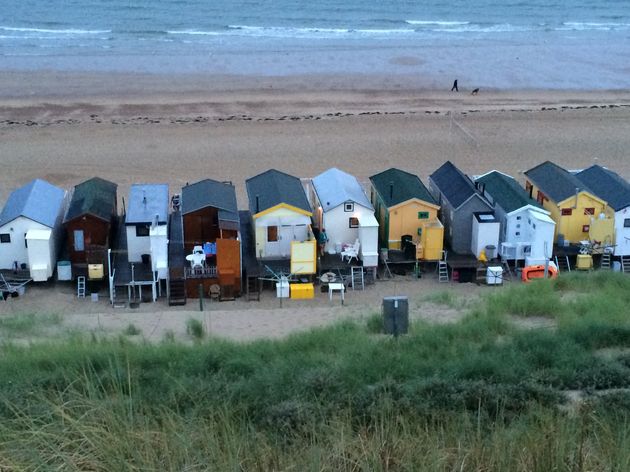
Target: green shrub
132,330
195,329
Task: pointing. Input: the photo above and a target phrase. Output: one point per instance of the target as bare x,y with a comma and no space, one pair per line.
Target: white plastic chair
351,252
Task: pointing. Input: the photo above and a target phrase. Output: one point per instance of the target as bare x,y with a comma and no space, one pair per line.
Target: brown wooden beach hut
89,225
210,221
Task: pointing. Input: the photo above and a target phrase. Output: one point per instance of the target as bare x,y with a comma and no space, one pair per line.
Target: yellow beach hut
403,206
579,214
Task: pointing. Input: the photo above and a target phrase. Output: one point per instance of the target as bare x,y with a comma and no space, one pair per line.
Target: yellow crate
302,291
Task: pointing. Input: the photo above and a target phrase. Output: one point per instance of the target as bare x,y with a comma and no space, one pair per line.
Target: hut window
423,215
540,197
348,206
567,211
272,233
79,240
586,228
626,223
142,231
518,233
5,238
589,211
353,222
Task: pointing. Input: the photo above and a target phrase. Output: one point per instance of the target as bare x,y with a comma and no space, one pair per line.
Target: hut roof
271,188
607,185
505,191
211,193
95,197
335,187
38,200
148,202
456,187
396,186
555,182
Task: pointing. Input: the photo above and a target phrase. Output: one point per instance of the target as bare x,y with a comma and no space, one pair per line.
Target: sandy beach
66,127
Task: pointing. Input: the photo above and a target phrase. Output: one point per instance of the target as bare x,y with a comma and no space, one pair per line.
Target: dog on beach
475,92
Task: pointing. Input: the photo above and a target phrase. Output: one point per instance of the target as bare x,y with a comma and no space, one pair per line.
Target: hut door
286,236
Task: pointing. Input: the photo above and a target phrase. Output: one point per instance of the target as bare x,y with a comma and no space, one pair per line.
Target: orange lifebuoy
538,272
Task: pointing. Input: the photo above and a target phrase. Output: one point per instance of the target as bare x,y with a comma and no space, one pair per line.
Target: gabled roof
505,191
38,200
335,187
555,182
273,188
211,193
456,187
95,197
607,185
396,186
148,202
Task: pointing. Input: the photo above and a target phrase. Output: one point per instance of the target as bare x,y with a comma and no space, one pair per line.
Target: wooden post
200,297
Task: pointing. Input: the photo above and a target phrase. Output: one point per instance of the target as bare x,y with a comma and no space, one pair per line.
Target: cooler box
95,271
302,291
494,275
282,288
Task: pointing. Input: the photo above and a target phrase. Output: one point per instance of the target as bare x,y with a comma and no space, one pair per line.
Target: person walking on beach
322,239
454,87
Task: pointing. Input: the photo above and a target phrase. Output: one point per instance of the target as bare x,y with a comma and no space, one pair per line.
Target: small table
341,288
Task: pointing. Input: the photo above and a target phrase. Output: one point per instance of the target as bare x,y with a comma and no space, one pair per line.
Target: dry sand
129,128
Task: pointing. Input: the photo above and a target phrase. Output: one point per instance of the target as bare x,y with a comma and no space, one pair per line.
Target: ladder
562,263
253,288
605,261
442,271
625,264
81,286
356,276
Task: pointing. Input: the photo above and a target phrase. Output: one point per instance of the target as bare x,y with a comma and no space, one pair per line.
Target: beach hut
579,214
89,223
281,217
526,228
211,238
343,209
146,226
615,190
30,229
459,201
405,208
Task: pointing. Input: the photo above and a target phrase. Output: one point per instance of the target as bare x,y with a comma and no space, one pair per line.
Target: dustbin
491,251
395,315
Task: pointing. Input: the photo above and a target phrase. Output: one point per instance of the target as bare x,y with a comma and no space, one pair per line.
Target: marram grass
480,394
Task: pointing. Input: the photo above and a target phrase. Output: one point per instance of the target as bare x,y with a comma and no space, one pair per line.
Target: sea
564,44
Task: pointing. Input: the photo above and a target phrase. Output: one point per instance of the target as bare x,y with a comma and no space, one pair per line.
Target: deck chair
351,252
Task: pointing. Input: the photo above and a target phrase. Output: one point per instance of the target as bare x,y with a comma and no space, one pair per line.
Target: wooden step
177,292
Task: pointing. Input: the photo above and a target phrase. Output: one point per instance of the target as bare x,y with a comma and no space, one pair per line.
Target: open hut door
229,263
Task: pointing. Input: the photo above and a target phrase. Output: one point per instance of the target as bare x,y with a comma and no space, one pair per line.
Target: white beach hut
527,230
343,209
30,229
146,225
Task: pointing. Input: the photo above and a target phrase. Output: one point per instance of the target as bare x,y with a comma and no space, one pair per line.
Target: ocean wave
296,32
196,32
53,31
593,26
436,23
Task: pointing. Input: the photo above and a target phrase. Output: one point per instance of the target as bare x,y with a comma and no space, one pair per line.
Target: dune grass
479,394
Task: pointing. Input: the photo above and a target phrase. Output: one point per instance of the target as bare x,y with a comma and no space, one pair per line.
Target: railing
201,272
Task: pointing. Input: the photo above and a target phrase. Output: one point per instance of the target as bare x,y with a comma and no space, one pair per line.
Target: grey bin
395,315
491,251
